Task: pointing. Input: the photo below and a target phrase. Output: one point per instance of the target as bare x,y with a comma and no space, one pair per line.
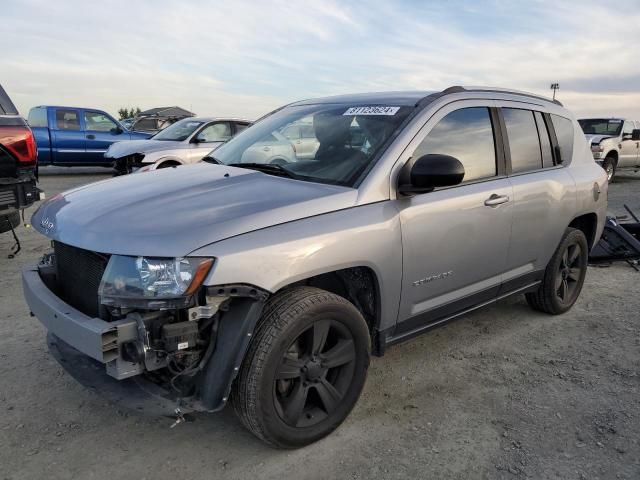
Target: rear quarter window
37,117
564,134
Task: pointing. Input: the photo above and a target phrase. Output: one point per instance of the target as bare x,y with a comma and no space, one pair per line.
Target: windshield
179,131
320,143
601,126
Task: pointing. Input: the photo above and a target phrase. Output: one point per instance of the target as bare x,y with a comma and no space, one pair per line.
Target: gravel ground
504,392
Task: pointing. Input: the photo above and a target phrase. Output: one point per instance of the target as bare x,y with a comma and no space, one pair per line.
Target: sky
245,58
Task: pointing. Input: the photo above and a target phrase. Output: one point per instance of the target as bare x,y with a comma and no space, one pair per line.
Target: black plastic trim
234,334
499,139
439,316
505,142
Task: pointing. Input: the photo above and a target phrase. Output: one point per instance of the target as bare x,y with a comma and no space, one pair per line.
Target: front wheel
564,275
305,368
609,164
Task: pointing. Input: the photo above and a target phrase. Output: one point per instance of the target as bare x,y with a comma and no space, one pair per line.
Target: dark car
18,165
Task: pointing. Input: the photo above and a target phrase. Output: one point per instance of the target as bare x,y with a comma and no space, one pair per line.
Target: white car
184,142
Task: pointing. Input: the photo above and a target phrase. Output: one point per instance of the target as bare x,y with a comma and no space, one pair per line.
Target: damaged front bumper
135,393
94,352
127,164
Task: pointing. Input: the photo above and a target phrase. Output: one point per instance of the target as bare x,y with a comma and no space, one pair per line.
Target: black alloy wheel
569,273
314,374
564,275
305,368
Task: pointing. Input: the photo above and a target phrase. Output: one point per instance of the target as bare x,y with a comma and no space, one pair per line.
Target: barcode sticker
371,111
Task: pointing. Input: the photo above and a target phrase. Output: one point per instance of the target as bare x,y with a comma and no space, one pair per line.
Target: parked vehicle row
269,285
186,141
615,143
18,165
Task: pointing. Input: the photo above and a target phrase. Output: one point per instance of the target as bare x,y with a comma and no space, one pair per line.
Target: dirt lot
503,393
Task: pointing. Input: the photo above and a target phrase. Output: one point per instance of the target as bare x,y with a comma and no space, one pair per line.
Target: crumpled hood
596,139
172,212
129,147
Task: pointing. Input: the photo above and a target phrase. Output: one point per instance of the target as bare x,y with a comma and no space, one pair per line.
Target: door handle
266,149
91,137
495,200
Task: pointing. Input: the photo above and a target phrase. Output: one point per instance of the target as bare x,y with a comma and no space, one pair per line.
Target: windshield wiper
269,168
212,159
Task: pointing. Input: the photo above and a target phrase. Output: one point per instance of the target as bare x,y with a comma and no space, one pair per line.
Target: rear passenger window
67,120
523,140
466,134
545,141
564,134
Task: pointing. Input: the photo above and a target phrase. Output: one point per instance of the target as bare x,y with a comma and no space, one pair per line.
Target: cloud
244,58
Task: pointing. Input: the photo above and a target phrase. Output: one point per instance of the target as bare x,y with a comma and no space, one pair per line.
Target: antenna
555,87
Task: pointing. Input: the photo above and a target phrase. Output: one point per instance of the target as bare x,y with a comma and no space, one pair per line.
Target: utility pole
555,87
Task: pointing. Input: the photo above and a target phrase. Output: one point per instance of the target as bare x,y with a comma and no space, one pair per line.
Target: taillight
21,143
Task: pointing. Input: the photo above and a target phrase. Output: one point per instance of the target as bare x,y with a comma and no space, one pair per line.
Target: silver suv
271,285
615,143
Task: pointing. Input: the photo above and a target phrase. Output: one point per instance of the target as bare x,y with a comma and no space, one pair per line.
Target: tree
128,113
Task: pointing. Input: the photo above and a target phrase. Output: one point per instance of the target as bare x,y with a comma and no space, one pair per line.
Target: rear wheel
564,275
609,164
305,368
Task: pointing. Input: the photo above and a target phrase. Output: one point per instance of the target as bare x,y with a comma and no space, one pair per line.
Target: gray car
271,285
186,141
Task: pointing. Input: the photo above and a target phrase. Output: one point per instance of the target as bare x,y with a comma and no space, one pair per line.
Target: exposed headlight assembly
597,148
152,282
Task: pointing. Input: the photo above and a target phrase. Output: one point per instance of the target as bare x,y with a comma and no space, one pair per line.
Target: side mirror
635,135
116,130
431,171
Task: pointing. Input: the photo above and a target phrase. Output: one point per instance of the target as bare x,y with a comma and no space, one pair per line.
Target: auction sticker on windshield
372,111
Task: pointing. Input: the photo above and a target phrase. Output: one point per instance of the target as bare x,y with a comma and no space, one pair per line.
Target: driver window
466,134
217,132
98,122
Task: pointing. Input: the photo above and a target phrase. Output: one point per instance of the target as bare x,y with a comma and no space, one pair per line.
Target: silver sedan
184,142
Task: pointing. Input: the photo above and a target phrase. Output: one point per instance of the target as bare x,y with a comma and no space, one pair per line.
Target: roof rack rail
460,89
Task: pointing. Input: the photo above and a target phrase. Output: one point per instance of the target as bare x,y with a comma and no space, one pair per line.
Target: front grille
79,273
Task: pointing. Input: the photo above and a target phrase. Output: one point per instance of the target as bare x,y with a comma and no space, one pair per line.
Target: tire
610,164
278,161
564,275
311,398
8,221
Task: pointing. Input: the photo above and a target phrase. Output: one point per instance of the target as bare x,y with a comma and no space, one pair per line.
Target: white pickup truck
615,143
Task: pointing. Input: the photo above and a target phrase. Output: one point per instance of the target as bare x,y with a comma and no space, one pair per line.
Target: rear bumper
17,194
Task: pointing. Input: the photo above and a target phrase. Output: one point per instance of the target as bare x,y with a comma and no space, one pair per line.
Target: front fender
277,256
